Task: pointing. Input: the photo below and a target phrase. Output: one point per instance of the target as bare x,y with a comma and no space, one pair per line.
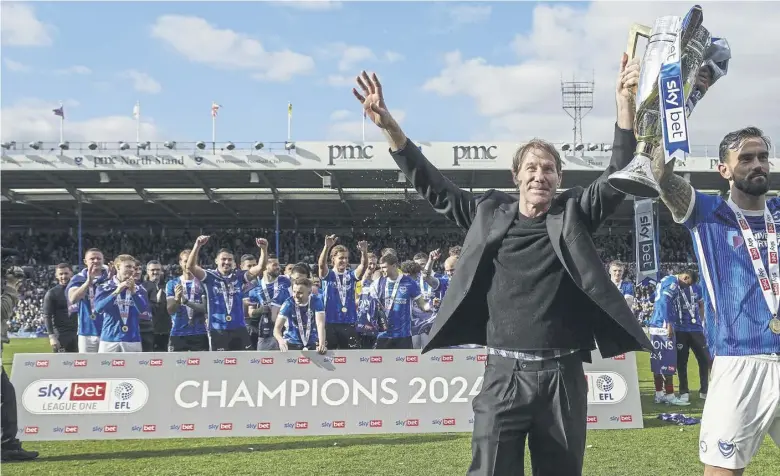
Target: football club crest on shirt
734,239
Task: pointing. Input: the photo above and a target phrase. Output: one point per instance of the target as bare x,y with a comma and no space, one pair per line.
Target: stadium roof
247,198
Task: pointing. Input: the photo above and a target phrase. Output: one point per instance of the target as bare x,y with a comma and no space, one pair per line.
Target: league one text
159,395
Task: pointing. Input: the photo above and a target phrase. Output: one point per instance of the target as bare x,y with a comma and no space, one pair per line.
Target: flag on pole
289,109
60,111
215,109
137,111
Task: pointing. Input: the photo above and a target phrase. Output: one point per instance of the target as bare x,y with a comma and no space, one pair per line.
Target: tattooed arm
676,193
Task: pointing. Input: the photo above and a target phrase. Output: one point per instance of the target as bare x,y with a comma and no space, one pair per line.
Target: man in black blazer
531,287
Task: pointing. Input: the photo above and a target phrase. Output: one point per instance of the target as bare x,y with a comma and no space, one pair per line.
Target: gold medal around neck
305,348
228,318
774,325
124,328
93,316
344,309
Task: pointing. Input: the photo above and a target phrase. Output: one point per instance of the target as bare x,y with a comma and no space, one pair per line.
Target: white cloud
340,80
16,66
200,42
393,57
468,14
142,82
32,119
348,126
316,5
522,98
77,69
20,27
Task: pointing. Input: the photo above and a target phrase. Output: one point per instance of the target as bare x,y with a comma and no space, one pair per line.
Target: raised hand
202,240
330,240
95,270
373,101
178,292
363,246
434,255
261,243
627,80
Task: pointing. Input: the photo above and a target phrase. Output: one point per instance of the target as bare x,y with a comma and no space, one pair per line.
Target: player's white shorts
742,407
88,344
107,347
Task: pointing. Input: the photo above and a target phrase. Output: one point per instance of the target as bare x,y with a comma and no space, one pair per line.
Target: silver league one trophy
680,63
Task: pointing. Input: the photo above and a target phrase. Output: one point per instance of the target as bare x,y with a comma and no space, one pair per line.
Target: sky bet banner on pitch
159,395
307,156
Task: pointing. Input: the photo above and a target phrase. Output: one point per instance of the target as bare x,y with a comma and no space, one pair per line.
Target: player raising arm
736,245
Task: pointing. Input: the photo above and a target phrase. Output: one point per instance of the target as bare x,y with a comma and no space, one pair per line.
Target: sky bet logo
79,391
443,358
444,422
68,430
338,425
299,360
40,364
335,360
409,422
374,359
183,427
221,427
263,425
477,358
75,363
190,361
226,361
263,361
113,363
371,424
151,362
411,359
104,429
298,425
145,428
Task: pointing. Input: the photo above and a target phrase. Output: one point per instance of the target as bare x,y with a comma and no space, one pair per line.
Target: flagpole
364,126
214,129
289,122
62,124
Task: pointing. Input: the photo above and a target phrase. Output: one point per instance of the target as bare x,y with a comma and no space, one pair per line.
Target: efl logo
414,422
88,391
339,360
447,358
226,427
79,363
448,421
155,362
339,424
149,428
619,357
117,363
626,419
304,360
41,363
301,425
412,359
264,425
109,429
30,430
267,360
193,361
375,424
230,361
71,429
593,419
375,359
187,427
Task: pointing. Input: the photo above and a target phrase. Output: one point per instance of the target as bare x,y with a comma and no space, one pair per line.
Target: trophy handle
634,34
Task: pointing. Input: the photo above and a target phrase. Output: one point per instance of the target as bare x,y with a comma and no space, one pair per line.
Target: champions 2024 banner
646,239
207,394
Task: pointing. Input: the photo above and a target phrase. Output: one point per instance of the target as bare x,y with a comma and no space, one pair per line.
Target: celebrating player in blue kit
397,292
81,292
121,302
737,249
271,291
187,308
338,291
304,315
224,288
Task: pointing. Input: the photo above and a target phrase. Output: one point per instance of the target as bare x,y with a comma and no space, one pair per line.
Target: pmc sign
349,152
473,152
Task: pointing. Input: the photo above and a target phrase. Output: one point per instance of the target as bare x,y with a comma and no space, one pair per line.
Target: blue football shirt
90,323
225,299
116,326
399,308
332,296
308,317
666,307
186,321
737,316
690,317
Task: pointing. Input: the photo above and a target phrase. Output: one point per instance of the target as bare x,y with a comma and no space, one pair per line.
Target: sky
465,71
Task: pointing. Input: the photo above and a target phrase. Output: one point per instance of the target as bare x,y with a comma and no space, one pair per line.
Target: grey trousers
544,401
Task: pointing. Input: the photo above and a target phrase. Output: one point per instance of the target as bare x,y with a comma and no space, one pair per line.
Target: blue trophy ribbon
673,117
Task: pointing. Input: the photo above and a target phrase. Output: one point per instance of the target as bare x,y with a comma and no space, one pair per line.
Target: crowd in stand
43,250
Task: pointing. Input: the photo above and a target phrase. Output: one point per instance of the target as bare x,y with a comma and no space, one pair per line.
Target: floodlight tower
577,102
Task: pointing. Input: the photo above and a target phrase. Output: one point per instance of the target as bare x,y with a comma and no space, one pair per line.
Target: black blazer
572,219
